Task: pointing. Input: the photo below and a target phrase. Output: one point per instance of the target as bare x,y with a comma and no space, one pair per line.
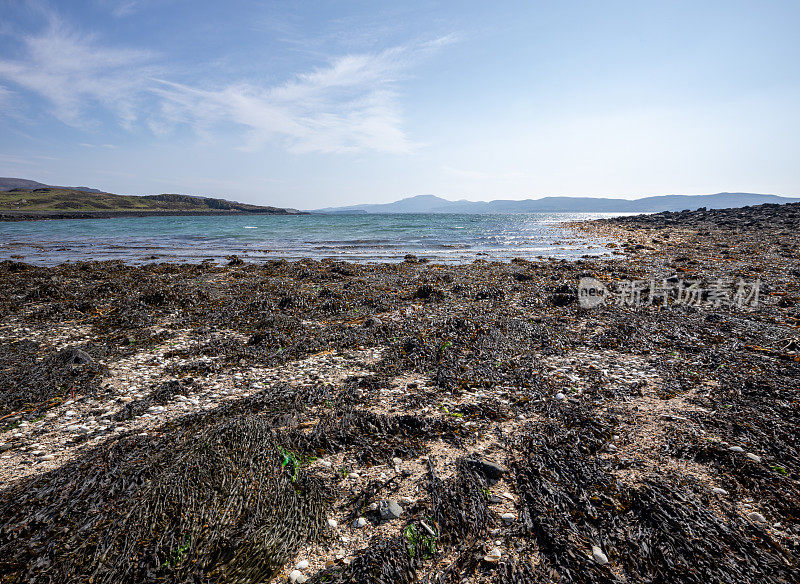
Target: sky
313,104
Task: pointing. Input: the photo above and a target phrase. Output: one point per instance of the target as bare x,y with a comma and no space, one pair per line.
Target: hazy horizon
325,104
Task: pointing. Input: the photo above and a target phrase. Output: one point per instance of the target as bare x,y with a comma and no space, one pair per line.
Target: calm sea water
361,238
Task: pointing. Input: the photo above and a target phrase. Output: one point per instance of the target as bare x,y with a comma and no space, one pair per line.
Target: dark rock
492,470
372,321
73,356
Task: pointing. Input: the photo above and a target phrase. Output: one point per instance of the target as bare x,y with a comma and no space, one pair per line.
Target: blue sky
310,104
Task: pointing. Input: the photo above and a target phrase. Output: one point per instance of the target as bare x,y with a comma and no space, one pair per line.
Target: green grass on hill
66,200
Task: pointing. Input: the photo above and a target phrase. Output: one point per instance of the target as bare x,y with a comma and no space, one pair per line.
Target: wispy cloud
350,104
122,8
74,72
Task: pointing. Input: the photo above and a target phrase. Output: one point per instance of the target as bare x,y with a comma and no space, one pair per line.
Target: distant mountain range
434,204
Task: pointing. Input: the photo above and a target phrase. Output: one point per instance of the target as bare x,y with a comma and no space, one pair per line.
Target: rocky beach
321,421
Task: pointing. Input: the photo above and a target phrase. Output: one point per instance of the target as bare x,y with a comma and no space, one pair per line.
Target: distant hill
10,184
434,204
51,202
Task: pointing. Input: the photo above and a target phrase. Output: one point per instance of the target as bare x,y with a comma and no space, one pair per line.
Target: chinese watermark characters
672,291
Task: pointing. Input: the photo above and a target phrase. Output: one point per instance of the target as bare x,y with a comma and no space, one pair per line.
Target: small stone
753,457
736,449
302,565
757,517
390,510
599,556
509,517
719,491
397,461
360,522
5,446
372,321
48,457
297,577
492,470
560,396
333,523
325,463
493,556
354,475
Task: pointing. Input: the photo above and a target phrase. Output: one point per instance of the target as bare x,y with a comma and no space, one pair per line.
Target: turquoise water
362,238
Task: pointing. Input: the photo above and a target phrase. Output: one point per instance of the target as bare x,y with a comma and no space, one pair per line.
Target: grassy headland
59,203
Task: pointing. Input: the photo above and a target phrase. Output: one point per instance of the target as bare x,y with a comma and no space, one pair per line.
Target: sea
442,238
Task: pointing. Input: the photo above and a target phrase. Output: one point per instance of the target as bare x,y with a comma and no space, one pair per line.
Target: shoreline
47,215
660,431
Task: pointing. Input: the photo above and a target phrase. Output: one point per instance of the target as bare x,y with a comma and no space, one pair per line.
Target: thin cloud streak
350,105
73,72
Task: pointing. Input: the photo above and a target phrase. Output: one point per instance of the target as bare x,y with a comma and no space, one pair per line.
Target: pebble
48,457
599,556
297,577
360,522
509,517
493,556
390,510
560,396
333,523
753,457
325,463
756,516
736,449
302,565
5,446
719,491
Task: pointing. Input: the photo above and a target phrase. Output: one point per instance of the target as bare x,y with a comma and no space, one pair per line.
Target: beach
626,418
